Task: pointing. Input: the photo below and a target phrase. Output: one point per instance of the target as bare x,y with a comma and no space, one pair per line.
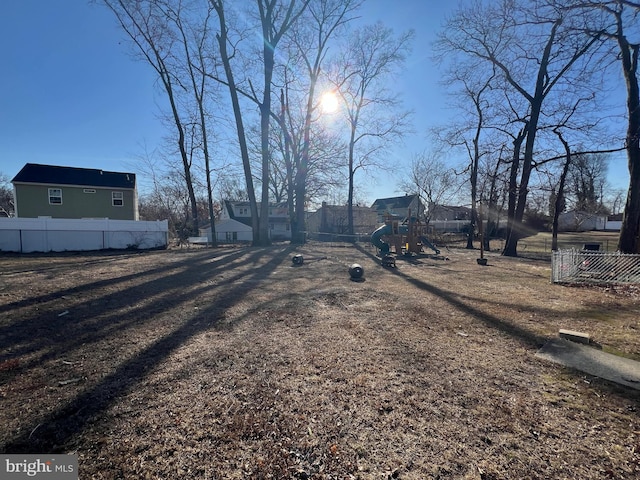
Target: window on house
243,211
55,196
117,199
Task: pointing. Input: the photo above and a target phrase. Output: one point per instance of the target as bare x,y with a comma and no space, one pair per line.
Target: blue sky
71,94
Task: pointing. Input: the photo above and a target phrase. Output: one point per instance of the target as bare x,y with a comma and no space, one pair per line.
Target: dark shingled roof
86,177
393,202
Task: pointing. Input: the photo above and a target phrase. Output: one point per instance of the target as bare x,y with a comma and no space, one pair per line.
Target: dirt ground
235,363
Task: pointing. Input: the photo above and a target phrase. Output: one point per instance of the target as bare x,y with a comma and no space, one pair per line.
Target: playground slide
425,241
377,241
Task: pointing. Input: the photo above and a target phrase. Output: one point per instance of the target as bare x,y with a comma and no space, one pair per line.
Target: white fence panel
9,239
57,235
449,226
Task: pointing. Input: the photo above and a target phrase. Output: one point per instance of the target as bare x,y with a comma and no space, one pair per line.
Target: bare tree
559,195
7,207
467,131
493,192
169,199
432,180
615,200
144,22
276,17
507,36
587,179
227,52
374,115
195,40
322,21
322,170
625,16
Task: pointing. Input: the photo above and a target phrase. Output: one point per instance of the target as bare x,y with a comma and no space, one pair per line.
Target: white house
279,222
228,231
578,221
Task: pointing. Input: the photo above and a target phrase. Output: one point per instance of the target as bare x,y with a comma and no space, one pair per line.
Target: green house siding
32,201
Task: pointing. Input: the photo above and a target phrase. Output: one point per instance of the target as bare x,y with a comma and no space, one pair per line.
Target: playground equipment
388,260
298,259
376,238
406,238
356,271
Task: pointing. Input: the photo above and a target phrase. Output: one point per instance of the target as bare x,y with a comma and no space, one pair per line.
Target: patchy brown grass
234,363
541,242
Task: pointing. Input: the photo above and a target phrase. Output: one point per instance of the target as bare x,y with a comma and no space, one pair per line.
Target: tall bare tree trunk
542,80
560,194
629,241
326,17
303,165
288,164
352,172
265,112
222,38
512,196
139,23
199,93
474,174
186,164
271,36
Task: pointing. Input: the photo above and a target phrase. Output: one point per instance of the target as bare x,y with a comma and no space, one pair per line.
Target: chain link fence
584,266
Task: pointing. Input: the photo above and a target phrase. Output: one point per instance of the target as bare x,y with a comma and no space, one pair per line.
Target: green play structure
406,238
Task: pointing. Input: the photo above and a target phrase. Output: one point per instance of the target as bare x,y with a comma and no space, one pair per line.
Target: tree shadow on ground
523,335
99,311
55,432
526,337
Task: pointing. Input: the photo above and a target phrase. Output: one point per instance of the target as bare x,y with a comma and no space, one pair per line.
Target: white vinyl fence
449,226
58,234
584,266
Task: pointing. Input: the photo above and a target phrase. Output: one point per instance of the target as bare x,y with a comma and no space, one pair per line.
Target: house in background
398,207
614,222
579,221
448,212
227,231
334,219
68,192
449,218
279,222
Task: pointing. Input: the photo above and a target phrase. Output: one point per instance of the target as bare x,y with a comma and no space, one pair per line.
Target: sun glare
329,102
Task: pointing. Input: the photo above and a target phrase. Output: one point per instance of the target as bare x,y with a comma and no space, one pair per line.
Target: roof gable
231,205
56,175
344,208
403,201
228,225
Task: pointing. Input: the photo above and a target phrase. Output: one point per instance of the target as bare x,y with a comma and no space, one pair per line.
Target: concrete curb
623,371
